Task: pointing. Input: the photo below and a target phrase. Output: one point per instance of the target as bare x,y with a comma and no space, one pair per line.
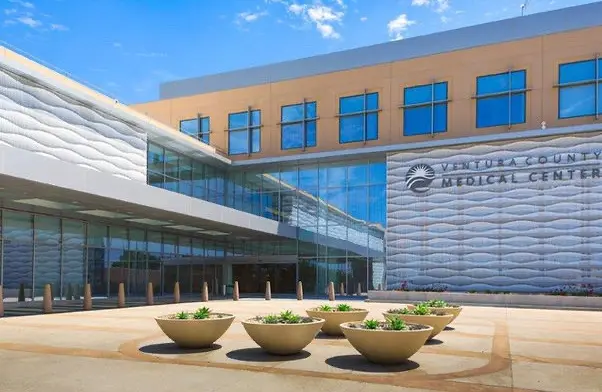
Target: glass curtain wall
339,207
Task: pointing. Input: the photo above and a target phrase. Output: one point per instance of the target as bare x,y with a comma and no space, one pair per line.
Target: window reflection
578,84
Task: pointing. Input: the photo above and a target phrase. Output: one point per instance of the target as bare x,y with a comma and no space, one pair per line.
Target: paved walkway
487,349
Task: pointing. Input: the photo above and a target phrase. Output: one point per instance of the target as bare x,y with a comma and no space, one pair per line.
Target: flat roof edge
512,29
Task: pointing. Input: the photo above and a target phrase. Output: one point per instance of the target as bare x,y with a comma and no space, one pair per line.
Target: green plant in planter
285,317
182,316
396,324
325,308
421,310
202,313
437,303
371,324
344,308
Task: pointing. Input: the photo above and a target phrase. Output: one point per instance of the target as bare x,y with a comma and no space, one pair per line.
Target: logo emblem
419,177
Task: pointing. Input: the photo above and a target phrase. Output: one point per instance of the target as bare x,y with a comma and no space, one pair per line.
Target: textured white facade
524,216
45,121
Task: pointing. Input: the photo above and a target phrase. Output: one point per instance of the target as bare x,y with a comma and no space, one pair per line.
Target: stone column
299,291
176,293
87,297
47,301
150,295
342,288
331,296
205,292
268,291
359,289
121,296
235,292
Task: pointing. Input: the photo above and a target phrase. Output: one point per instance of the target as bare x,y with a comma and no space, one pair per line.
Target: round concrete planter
334,319
193,333
438,322
386,347
282,339
454,310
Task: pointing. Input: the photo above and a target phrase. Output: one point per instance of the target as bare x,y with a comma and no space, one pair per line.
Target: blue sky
126,48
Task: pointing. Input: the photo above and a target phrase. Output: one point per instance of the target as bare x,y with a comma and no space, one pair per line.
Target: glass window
358,118
244,132
425,109
198,128
501,99
298,125
579,92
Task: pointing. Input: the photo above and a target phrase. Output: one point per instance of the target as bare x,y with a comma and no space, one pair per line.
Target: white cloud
250,16
25,4
58,27
29,21
10,11
117,44
296,9
398,26
445,19
327,31
363,18
439,5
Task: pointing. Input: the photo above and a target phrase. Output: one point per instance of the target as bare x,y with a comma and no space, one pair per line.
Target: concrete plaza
486,349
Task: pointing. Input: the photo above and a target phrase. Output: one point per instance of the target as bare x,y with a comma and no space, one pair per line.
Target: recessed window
244,132
198,128
501,99
580,89
425,109
358,118
298,125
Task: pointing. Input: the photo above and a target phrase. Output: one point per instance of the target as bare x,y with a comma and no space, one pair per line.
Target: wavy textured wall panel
525,216
49,123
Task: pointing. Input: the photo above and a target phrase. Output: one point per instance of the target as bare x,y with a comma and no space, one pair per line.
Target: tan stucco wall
539,56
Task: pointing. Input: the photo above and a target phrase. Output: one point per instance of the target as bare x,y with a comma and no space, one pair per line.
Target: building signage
483,172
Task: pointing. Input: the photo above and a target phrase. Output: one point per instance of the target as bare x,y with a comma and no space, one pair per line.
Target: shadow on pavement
172,349
448,328
433,342
258,355
360,364
322,335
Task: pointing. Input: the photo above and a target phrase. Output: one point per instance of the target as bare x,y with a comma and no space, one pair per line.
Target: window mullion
199,130
249,132
597,88
509,99
304,127
365,118
433,109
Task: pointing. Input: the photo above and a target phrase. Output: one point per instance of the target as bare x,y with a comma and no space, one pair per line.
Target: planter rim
252,321
419,315
425,327
354,310
226,316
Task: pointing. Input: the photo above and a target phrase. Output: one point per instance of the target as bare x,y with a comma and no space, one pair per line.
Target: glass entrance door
252,277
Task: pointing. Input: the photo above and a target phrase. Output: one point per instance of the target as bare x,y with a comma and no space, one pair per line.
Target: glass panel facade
198,128
298,125
244,132
339,208
358,118
502,99
425,109
579,91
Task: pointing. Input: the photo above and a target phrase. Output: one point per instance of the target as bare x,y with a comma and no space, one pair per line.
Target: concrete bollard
235,292
205,292
359,289
1,302
342,288
47,301
268,291
87,297
380,287
121,296
299,291
224,290
176,293
331,295
150,296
